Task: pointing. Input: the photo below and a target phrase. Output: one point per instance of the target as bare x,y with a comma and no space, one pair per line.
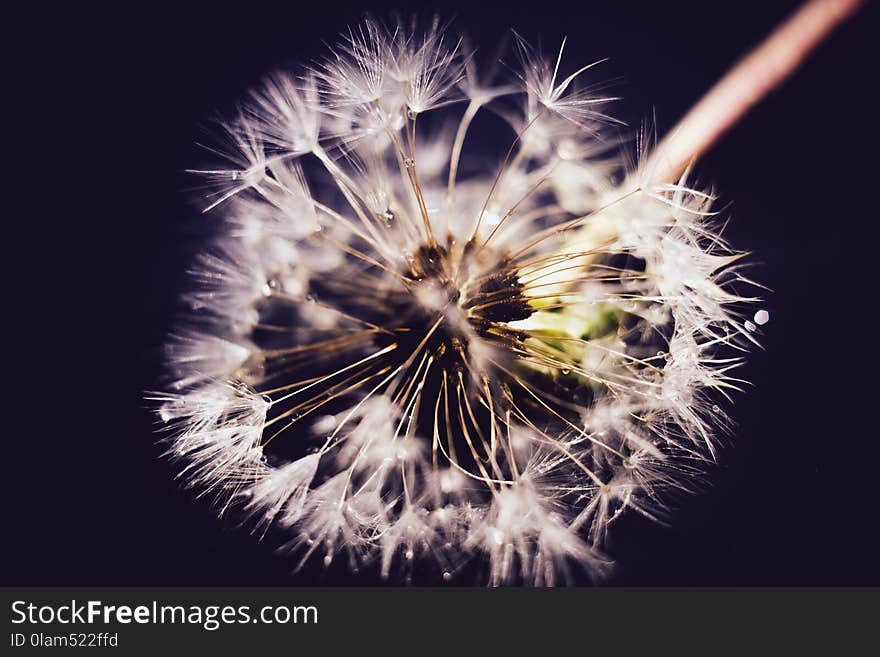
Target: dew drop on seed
762,317
328,560
411,115
750,326
447,576
716,408
409,555
272,285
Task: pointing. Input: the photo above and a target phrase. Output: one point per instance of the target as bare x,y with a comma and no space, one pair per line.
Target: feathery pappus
424,339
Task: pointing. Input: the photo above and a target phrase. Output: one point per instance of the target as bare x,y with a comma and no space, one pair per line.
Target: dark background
106,105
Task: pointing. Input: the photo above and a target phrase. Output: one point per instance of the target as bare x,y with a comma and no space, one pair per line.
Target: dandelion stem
761,71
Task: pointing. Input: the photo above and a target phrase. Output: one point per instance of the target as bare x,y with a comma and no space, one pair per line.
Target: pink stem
745,85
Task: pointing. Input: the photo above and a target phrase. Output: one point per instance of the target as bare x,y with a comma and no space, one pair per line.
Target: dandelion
401,355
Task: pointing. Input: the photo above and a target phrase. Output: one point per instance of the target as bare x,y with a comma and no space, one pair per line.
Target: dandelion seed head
397,357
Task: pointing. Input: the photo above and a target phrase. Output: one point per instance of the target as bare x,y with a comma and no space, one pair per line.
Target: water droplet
410,114
409,555
565,371
762,317
716,408
750,327
447,576
271,285
328,560
409,162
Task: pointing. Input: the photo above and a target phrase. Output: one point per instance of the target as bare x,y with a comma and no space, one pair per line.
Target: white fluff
403,353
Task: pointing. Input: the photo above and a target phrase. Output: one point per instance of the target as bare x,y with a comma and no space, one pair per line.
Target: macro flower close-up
367,311
446,316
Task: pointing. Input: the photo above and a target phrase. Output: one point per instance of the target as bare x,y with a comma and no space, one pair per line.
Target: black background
106,106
